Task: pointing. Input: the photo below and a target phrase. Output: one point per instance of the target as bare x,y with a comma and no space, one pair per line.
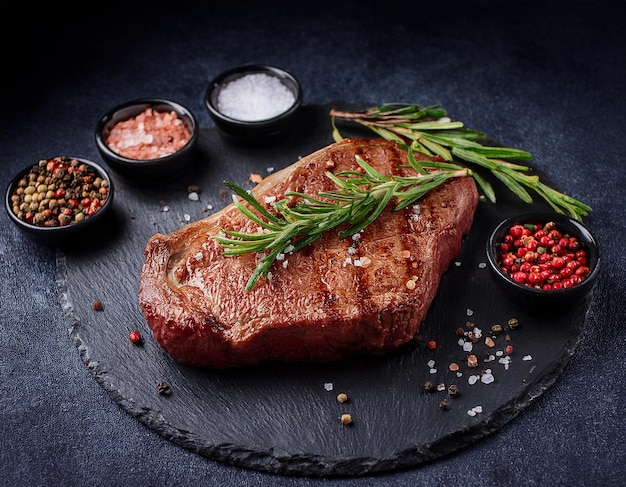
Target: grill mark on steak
316,308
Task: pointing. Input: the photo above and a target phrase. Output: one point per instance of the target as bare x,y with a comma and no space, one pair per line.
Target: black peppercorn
164,388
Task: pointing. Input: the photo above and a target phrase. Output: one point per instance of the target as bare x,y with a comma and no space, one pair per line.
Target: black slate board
282,419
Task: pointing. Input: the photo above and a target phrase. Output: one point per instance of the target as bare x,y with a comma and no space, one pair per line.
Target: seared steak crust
331,299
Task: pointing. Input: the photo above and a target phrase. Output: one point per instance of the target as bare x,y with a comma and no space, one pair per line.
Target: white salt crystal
468,346
475,410
254,97
328,386
193,196
526,358
487,378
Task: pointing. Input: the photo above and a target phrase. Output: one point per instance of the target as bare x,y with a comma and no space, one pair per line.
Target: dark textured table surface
548,77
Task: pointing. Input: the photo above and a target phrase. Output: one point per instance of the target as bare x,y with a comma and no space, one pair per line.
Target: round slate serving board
285,418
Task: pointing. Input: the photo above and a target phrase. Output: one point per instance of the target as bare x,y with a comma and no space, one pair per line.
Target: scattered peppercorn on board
478,361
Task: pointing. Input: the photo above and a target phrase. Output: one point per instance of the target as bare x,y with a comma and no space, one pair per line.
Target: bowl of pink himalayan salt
147,140
254,104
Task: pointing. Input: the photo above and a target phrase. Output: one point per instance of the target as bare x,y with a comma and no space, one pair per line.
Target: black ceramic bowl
149,170
254,104
73,232
532,297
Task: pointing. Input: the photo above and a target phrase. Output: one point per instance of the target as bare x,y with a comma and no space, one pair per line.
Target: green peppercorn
497,328
513,323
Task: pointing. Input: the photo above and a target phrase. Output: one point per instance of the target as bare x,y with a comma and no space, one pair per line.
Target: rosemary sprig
359,199
429,131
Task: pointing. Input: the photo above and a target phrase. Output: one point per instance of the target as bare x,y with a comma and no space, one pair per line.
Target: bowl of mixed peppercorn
543,259
60,199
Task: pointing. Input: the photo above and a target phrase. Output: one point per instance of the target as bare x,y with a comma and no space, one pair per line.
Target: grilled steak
329,300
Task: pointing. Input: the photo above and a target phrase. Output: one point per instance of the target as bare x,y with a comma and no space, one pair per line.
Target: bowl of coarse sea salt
254,103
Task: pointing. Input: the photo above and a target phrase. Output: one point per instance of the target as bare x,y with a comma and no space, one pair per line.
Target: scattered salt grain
472,379
255,178
469,312
198,256
253,97
441,387
468,346
505,361
487,378
526,358
193,196
165,209
482,265
457,263
328,386
431,363
475,410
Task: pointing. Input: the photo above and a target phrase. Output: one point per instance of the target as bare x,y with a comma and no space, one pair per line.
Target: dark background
548,77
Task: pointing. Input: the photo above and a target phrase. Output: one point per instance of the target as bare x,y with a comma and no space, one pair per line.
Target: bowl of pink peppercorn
147,140
61,200
543,260
254,104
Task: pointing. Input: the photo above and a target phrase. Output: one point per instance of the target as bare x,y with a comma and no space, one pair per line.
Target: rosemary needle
359,199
